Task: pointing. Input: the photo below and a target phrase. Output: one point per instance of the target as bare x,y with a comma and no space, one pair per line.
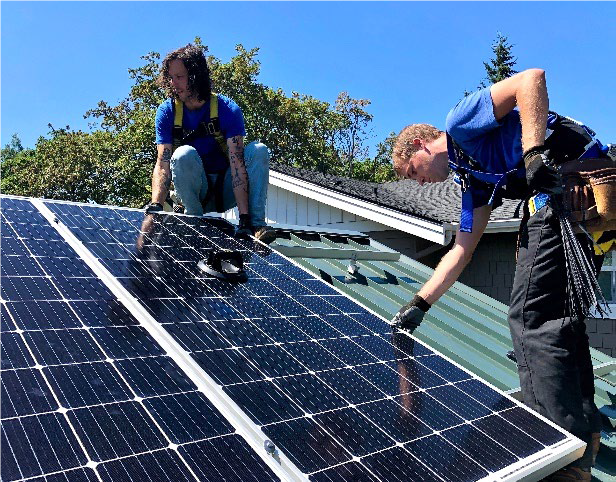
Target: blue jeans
191,184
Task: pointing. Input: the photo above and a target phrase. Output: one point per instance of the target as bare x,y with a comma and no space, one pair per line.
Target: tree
500,67
380,168
113,163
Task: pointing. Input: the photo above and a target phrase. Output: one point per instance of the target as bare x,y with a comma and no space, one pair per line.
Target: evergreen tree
501,66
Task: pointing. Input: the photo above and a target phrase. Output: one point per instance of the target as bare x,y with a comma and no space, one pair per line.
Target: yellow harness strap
604,241
212,127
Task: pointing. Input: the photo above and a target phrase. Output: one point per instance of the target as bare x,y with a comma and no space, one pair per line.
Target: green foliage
501,66
113,163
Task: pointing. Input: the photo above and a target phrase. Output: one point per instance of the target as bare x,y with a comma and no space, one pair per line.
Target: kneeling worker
200,143
495,136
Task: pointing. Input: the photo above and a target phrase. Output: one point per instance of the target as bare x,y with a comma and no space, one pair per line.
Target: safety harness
209,126
466,168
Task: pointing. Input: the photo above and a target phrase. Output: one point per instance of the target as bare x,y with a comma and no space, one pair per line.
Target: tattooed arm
239,177
161,176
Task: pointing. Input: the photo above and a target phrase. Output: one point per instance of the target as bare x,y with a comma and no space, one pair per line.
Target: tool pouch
590,192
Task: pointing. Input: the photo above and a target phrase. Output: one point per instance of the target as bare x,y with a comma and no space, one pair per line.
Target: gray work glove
411,315
244,227
541,173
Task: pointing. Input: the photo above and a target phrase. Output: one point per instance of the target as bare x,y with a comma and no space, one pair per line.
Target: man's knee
257,152
186,164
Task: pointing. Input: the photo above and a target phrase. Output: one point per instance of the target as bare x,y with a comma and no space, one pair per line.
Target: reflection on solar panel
340,396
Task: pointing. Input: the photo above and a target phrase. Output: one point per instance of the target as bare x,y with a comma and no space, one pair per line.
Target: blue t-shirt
231,125
496,146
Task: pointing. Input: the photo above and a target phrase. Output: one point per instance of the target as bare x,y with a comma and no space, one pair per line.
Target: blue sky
413,60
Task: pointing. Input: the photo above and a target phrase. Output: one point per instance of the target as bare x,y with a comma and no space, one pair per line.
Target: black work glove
541,173
153,208
411,315
244,227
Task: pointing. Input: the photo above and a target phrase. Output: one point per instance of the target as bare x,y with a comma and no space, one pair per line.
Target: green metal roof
465,325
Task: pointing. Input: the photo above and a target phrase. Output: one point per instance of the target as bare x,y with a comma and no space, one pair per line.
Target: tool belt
590,193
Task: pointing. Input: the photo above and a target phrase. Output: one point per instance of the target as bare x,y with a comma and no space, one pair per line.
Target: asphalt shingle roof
437,202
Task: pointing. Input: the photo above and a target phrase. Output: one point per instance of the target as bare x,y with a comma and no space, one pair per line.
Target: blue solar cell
346,325
116,430
22,288
348,351
55,347
103,313
148,466
263,402
428,410
285,306
19,266
82,384
444,368
13,246
537,429
227,366
313,355
373,323
226,458
65,267
154,376
351,385
83,474
6,321
273,361
126,341
49,248
398,465
310,393
416,373
186,417
459,402
316,327
395,420
83,289
447,461
386,379
14,353
197,336
380,348
56,447
354,432
479,447
238,332
503,432
307,444
24,392
486,395
406,344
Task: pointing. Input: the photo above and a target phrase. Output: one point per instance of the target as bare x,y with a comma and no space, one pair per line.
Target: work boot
569,474
265,234
596,445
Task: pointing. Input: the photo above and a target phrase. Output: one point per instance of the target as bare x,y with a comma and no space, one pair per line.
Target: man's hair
199,82
404,147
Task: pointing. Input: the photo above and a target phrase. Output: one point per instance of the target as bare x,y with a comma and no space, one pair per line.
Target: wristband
420,303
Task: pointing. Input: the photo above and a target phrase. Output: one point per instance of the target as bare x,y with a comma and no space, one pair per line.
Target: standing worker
200,143
493,137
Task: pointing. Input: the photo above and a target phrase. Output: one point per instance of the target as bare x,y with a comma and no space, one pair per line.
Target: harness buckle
536,202
211,128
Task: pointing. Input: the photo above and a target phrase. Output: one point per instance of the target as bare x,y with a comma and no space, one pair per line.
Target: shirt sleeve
231,118
472,117
164,123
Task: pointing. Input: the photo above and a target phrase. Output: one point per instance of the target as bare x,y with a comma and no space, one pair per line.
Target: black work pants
551,347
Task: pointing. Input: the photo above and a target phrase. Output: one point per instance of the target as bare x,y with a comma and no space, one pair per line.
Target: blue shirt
496,146
231,125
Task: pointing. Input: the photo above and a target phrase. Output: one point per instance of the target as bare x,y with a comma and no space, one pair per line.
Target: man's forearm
161,176
445,274
239,176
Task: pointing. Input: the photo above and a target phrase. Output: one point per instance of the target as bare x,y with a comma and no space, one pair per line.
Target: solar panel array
87,394
328,382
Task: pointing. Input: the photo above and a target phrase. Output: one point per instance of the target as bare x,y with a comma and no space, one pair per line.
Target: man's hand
541,173
411,315
244,227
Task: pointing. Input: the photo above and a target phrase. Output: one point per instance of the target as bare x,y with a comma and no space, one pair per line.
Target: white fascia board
500,226
395,219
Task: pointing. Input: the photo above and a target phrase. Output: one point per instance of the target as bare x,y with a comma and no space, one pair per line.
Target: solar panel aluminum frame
279,463
531,468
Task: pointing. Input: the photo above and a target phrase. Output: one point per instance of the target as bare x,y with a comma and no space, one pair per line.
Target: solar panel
87,393
340,396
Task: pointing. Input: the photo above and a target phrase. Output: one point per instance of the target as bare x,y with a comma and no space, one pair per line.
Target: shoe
265,234
569,474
